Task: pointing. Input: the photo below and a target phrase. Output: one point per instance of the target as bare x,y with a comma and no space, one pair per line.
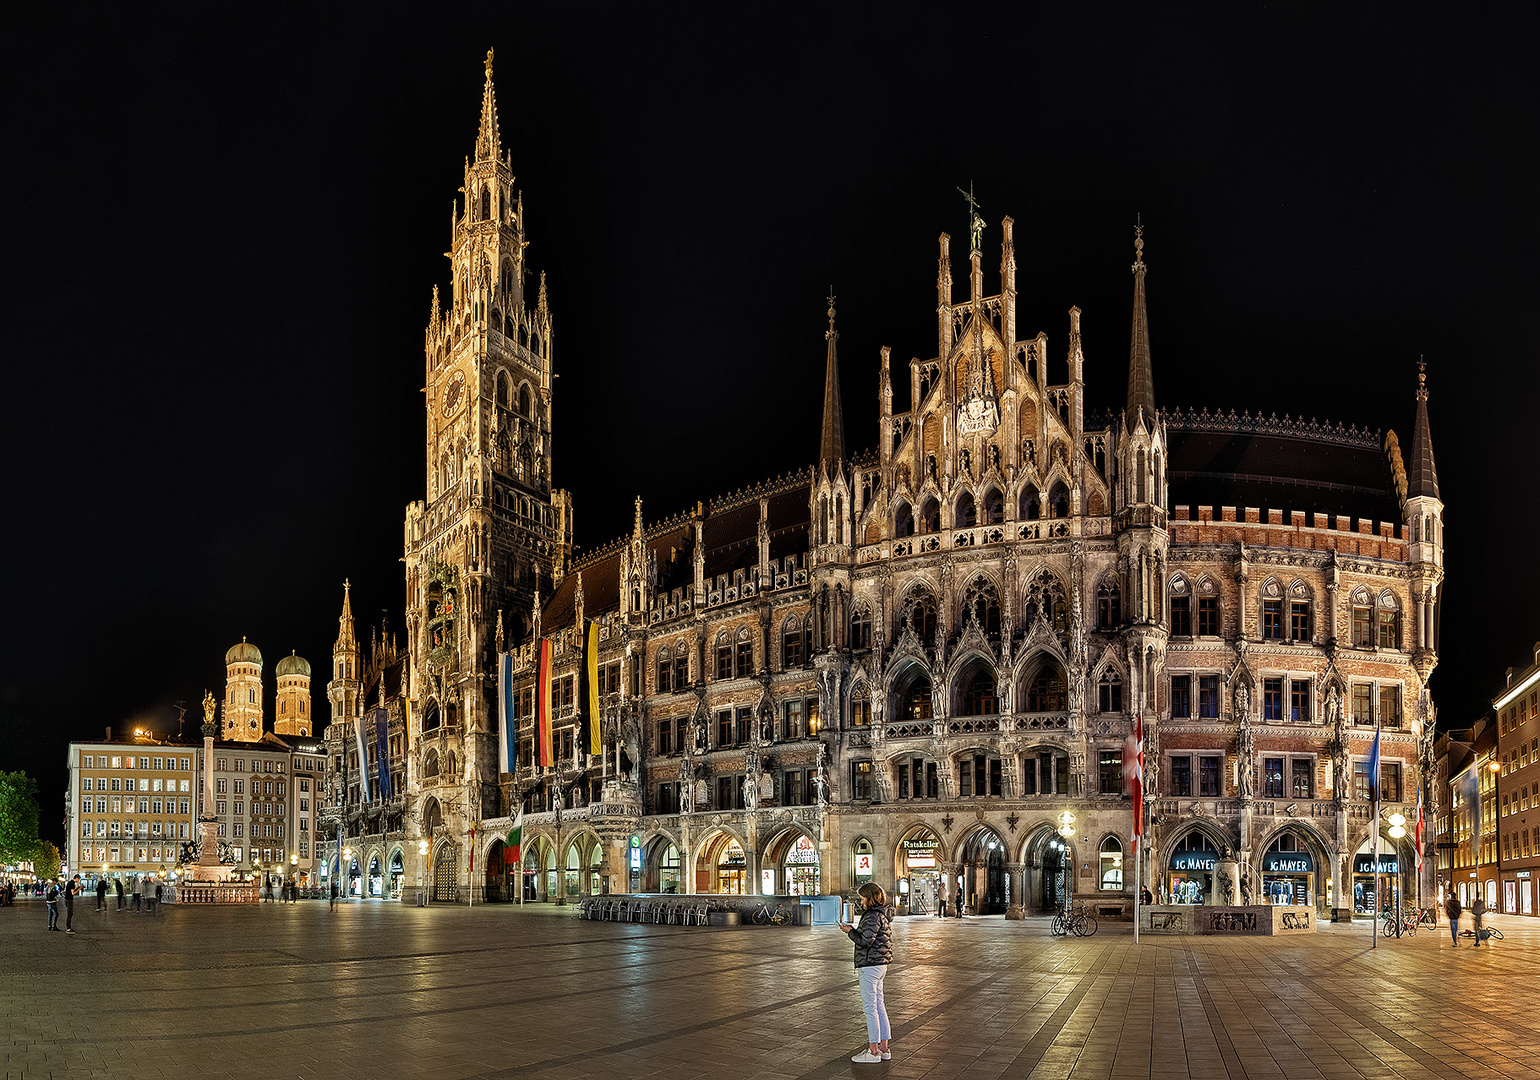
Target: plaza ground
375,990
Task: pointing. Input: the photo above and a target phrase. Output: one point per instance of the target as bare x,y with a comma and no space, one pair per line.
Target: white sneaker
887,1055
866,1057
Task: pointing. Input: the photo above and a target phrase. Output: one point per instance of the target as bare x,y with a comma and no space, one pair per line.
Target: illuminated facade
911,663
1516,798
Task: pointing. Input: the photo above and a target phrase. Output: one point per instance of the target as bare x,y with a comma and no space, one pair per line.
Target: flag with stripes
1419,831
507,716
588,689
515,844
1134,770
363,757
543,755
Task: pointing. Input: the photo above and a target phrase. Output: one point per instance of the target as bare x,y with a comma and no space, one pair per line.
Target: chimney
109,734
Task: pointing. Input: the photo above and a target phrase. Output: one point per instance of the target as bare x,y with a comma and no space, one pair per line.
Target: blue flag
1374,767
382,750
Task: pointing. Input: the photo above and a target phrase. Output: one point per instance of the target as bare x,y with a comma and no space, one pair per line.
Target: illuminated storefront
1190,876
1288,872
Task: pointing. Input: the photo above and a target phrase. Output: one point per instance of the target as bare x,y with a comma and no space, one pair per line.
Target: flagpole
1374,824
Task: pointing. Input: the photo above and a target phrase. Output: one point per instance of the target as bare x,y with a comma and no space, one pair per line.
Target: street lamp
422,859
293,878
345,872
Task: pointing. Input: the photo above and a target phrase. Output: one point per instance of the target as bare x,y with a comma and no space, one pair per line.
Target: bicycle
764,915
1394,925
1075,922
1489,932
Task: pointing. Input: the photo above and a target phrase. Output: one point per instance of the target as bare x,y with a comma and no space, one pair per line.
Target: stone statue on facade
750,794
686,787
1242,702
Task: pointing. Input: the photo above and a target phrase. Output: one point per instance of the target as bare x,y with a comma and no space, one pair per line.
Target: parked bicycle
1075,922
1394,925
765,915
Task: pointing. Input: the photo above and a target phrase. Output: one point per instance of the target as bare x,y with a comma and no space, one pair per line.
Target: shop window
1272,777
1181,775
1181,616
1112,864
1208,696
1272,620
1272,699
1109,769
1181,695
1208,776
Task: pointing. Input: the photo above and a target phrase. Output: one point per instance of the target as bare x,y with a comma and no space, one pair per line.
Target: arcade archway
1050,870
981,871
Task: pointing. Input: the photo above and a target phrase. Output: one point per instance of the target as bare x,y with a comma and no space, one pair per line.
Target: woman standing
873,938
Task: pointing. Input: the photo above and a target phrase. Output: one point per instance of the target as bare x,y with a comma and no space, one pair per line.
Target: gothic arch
913,828
910,690
772,852
1043,685
974,686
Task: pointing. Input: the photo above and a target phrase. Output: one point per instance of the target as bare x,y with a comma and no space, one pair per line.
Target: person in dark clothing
1478,908
959,900
101,893
70,889
51,895
117,885
1452,912
873,938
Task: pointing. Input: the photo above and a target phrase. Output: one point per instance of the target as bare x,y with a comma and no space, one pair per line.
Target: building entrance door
444,875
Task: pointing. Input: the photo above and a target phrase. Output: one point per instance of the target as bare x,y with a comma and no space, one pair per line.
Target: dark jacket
873,937
1452,906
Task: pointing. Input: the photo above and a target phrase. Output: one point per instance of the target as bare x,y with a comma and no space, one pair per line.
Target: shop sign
1193,860
1364,864
920,853
1523,873
864,863
802,852
1287,862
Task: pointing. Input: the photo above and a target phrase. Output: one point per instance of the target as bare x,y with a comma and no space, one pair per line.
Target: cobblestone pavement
381,990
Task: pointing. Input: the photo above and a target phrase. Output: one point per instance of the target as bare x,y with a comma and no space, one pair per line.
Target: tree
18,817
46,863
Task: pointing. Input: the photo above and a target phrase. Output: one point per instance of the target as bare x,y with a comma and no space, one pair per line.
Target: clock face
453,393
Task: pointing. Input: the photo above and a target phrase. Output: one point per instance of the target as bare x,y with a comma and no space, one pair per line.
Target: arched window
994,507
665,670
1031,508
1156,495
1389,635
966,516
430,717
430,765
919,614
1363,619
903,521
724,647
823,519
524,402
916,699
504,393
1046,600
1109,692
977,693
981,602
930,516
1109,604
486,203
792,652
744,654
1046,687
861,628
1058,500
1112,864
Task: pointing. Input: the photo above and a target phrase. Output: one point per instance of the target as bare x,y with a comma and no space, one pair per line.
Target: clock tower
491,530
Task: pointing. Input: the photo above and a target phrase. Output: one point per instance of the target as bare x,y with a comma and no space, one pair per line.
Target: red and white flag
1133,769
1419,832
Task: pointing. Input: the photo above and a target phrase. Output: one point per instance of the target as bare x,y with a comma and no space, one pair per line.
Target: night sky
221,238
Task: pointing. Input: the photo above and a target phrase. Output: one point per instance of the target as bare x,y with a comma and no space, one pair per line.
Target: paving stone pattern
375,990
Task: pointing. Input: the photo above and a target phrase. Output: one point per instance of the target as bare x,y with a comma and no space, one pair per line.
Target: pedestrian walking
70,889
333,903
101,893
51,895
138,891
159,910
149,895
940,903
117,884
1452,911
872,935
959,900
1478,908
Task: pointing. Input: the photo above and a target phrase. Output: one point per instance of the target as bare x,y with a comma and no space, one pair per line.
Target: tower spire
831,451
1141,378
1421,473
487,141
345,634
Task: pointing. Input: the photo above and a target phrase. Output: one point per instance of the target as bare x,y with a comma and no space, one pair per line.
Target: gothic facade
920,664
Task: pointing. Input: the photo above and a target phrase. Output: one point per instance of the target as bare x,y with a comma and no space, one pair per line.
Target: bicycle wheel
1387,928
1495,932
1089,924
761,916
1411,927
1059,927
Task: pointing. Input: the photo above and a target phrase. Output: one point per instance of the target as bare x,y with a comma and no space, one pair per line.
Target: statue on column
1245,748
686,787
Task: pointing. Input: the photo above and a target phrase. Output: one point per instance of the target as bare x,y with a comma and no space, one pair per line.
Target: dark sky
220,239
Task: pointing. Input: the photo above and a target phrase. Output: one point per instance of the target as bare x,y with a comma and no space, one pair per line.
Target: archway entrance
1291,873
1051,869
918,866
800,869
396,874
981,865
1190,871
498,883
1392,889
721,866
444,877
376,879
661,870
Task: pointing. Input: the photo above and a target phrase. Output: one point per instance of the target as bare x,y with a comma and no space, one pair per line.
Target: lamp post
293,878
422,859
1067,831
345,872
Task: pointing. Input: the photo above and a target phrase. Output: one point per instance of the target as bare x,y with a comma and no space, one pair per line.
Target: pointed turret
1421,473
346,638
1141,378
487,142
831,450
